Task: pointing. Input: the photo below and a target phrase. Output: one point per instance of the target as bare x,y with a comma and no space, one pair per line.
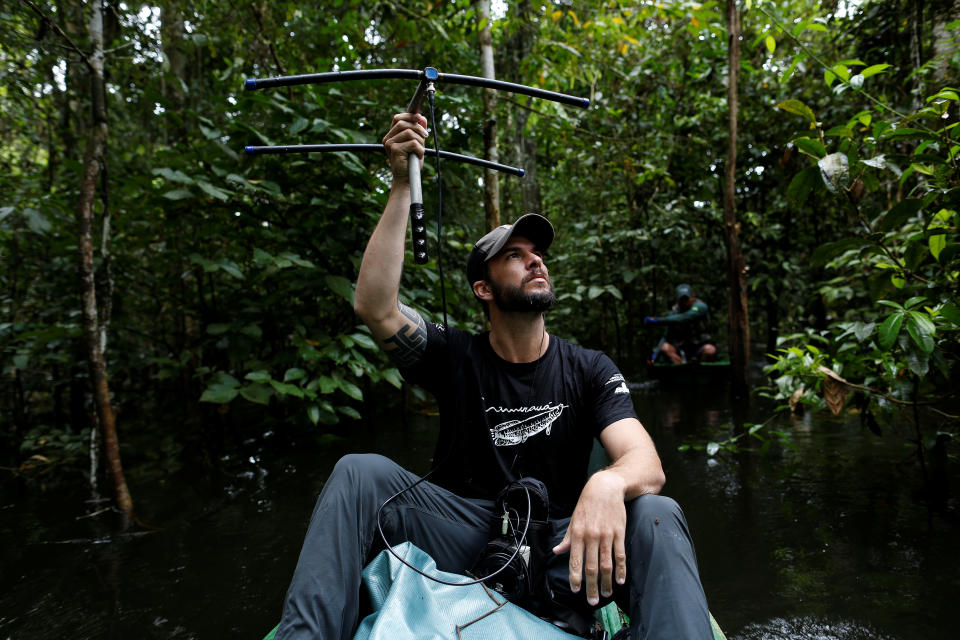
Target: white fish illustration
517,431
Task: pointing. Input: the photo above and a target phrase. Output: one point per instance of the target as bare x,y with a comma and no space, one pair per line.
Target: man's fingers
591,554
564,545
606,570
576,563
620,557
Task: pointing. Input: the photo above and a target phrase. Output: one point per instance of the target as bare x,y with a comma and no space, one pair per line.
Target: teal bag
409,606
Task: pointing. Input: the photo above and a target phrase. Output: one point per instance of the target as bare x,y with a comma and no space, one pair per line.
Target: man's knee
652,518
361,474
653,508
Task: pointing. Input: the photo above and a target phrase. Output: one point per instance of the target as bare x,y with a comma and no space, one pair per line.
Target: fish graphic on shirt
514,432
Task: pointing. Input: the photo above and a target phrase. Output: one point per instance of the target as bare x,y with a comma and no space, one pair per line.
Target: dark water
828,539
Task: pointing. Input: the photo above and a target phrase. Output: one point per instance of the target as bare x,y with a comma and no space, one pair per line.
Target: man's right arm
398,329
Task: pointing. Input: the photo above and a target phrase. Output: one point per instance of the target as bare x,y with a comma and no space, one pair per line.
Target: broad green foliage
233,275
890,168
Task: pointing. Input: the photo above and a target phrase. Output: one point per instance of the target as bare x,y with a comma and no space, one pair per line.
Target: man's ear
482,290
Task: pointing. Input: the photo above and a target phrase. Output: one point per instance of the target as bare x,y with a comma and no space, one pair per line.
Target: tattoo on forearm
406,346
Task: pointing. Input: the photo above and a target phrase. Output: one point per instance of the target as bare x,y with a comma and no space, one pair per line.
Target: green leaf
904,132
261,257
825,253
219,393
918,363
889,330
900,213
811,147
231,267
771,43
350,412
212,191
951,312
351,390
594,292
37,222
341,286
874,70
293,374
261,375
258,393
364,340
922,331
313,412
287,389
842,72
802,184
299,125
178,194
174,175
252,331
798,108
328,385
393,377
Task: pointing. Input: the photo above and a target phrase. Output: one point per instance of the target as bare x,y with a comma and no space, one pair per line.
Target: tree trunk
491,181
739,338
93,161
916,50
525,148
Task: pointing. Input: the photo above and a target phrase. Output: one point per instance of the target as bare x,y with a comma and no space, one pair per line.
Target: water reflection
828,539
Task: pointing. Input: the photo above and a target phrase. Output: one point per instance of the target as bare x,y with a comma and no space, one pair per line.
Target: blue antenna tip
522,173
249,149
586,102
250,83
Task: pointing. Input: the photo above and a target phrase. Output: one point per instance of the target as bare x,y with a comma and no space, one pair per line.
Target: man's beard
514,298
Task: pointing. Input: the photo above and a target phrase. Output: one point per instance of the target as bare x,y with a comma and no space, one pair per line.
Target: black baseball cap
684,291
531,226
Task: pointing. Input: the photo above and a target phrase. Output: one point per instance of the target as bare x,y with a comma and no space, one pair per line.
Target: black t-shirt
542,416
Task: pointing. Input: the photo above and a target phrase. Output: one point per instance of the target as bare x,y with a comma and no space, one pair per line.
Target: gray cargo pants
662,593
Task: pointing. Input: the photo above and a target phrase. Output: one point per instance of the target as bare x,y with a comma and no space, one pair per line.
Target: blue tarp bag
409,606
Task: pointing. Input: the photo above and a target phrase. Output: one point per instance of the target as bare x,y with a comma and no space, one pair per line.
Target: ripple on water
809,629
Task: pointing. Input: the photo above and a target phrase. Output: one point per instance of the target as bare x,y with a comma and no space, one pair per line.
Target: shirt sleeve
433,368
612,400
698,310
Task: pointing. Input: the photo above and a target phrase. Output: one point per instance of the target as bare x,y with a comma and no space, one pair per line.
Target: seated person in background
686,335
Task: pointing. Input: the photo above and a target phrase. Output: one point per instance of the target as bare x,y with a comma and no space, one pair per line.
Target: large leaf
799,108
900,213
811,147
220,393
889,330
341,286
922,331
952,313
351,390
258,393
825,253
802,184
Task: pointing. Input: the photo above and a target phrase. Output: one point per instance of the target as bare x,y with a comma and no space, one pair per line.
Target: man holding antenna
515,402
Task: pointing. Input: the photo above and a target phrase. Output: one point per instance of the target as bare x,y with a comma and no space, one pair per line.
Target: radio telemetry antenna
427,79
